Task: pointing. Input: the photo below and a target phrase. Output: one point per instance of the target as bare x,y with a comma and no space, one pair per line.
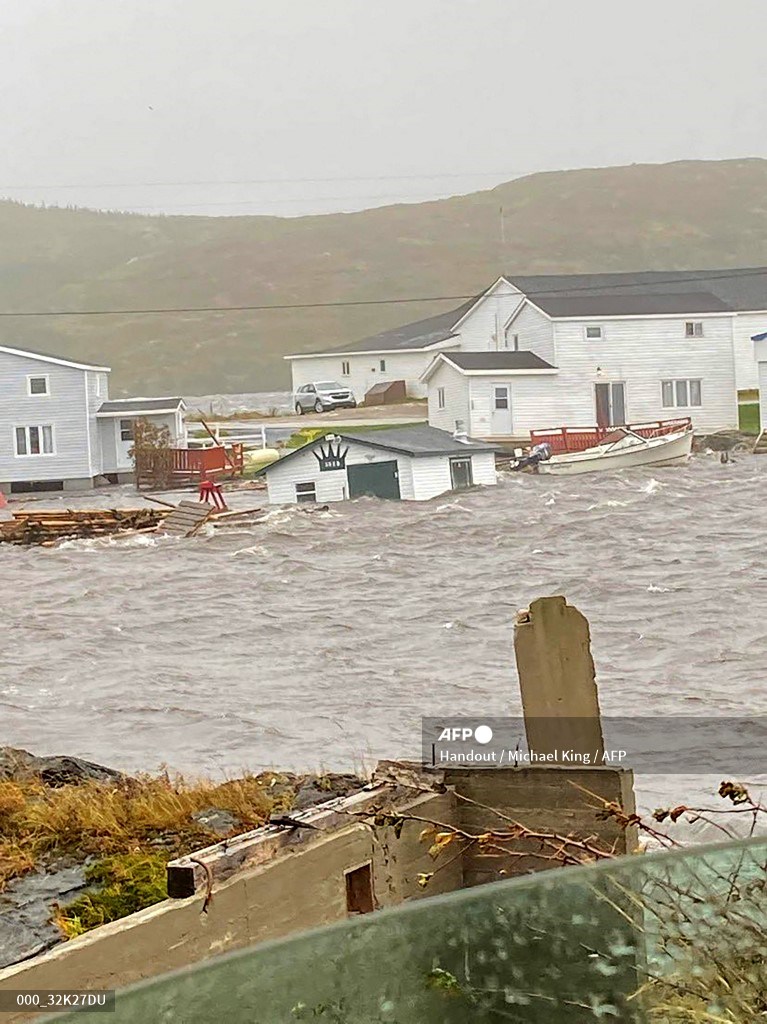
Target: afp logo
482,734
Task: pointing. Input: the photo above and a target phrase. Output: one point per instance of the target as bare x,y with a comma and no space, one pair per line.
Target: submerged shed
410,463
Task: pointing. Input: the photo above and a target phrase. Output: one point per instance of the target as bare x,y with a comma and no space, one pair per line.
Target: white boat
624,452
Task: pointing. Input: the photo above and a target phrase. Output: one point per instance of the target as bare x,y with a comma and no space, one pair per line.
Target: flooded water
320,640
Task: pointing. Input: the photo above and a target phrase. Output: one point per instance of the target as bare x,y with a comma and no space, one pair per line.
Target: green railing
668,938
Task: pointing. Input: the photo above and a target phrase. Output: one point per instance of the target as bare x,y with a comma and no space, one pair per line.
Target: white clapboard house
644,346
409,463
58,428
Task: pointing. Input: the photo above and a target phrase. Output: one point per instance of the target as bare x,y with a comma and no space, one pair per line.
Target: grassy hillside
672,216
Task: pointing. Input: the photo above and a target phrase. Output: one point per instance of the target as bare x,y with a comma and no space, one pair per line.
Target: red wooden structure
190,465
576,439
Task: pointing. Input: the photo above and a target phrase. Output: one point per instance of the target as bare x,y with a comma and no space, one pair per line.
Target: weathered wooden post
552,644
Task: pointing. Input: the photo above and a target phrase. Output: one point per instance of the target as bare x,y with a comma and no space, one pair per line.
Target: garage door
378,479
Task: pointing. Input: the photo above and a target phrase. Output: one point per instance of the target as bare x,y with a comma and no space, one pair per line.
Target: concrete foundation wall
294,892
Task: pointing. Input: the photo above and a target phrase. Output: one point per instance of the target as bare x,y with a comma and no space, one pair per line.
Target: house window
382,365
594,334
510,340
501,397
693,329
345,369
306,492
681,394
126,430
440,398
516,343
359,890
34,440
37,385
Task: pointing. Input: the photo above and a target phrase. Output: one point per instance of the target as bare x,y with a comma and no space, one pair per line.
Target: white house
58,429
760,354
584,360
400,354
485,324
410,463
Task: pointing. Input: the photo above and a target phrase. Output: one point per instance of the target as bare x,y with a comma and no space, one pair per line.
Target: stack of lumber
47,527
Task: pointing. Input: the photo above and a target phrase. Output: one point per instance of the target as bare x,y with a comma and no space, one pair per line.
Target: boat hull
661,451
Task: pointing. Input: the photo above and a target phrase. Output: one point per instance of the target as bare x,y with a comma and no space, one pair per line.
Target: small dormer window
37,385
693,329
511,341
594,333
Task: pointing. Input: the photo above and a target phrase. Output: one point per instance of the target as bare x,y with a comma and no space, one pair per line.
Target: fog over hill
684,215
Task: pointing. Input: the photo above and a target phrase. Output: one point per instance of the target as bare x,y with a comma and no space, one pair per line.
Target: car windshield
328,385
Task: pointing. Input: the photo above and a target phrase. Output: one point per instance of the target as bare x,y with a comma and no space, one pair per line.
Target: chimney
460,431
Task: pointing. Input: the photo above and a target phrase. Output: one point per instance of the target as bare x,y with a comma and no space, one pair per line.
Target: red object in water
3,500
211,491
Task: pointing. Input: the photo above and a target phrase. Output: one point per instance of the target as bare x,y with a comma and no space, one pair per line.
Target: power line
694,276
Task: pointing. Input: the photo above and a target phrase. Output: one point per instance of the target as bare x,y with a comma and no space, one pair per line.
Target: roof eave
9,350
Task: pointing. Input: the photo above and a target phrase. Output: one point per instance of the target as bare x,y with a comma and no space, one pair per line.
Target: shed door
377,479
460,473
500,420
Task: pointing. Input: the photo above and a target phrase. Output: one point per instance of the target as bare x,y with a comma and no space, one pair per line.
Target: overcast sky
374,100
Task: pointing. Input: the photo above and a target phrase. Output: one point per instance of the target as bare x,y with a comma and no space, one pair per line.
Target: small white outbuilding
409,463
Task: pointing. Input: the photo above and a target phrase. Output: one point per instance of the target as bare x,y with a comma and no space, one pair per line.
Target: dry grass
38,823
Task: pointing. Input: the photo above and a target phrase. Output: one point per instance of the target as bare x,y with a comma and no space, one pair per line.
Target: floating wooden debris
187,518
46,527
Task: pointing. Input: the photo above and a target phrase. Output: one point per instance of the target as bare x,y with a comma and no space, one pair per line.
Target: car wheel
318,406
299,409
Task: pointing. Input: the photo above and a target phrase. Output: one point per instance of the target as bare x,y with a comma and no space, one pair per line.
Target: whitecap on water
652,589
650,487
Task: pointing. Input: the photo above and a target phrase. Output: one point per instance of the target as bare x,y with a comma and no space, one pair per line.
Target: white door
500,418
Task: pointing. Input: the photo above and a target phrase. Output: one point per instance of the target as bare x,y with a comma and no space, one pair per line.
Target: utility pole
503,230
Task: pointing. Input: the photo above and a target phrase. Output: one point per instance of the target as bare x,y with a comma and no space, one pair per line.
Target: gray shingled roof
420,334
742,288
491,361
622,304
418,440
129,405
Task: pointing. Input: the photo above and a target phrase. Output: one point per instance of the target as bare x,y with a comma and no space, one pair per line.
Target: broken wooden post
557,680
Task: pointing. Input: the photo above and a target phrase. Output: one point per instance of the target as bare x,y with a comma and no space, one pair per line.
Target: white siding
331,486
477,331
420,478
456,390
365,370
642,353
64,408
536,333
746,325
114,451
533,403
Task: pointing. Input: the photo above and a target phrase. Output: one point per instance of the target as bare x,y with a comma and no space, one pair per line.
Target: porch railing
576,439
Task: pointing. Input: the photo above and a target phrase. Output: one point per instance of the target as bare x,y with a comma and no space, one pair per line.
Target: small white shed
409,463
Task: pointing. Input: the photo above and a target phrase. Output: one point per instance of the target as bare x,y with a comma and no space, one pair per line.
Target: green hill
692,214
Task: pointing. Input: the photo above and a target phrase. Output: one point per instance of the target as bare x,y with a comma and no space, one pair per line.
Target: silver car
323,395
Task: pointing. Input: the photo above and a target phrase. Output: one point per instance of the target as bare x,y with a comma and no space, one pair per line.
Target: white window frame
299,494
132,428
594,327
39,394
693,329
346,368
440,398
26,428
687,381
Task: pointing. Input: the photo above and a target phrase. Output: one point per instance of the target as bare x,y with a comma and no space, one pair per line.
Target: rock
57,770
26,907
217,820
316,789
725,441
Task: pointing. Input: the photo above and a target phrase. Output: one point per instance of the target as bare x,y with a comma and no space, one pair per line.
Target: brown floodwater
320,640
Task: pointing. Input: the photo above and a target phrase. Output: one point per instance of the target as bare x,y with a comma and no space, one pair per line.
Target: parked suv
323,395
